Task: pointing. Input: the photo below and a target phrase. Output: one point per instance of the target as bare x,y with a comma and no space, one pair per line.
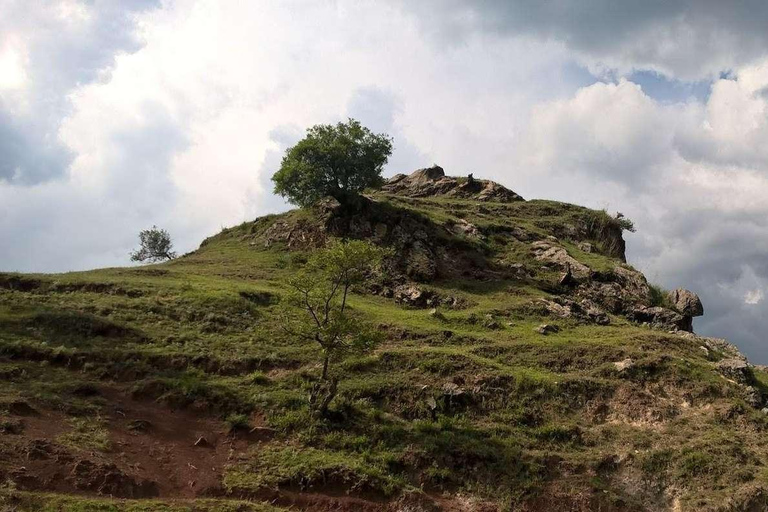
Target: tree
317,310
338,161
155,245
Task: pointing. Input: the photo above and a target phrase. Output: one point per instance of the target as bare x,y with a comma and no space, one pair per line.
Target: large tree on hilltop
332,160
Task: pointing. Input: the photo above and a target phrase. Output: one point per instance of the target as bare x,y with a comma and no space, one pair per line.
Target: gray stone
547,329
686,302
624,365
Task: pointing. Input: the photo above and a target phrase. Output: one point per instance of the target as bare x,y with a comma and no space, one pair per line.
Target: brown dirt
160,452
159,444
153,452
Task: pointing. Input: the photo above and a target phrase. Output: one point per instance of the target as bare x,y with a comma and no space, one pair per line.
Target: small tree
338,161
316,310
155,245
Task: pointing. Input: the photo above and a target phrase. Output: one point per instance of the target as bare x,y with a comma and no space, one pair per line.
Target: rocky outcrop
657,317
584,310
687,304
620,291
432,181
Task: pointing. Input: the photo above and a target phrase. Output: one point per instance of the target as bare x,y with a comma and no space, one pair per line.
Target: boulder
413,296
620,290
547,329
686,302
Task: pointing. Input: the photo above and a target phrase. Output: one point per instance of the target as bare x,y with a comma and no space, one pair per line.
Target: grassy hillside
173,386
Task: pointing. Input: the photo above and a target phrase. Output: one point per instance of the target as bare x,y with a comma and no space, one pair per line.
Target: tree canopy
155,245
332,160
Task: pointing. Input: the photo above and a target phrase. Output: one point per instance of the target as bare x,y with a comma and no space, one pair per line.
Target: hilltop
526,366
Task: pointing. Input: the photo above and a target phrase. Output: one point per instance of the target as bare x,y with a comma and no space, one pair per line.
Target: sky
116,116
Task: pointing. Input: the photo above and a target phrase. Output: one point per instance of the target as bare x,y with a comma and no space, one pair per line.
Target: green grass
13,500
310,468
86,434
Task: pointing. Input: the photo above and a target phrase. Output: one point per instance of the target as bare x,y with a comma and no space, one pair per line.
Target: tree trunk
325,367
330,395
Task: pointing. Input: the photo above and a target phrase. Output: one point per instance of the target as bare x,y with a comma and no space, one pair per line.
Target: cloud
45,52
753,297
687,39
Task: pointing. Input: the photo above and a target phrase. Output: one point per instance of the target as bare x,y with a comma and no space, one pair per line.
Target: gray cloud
60,53
378,109
59,226
688,39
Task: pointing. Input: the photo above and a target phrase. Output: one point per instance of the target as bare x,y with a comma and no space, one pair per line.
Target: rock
549,252
490,323
657,317
585,310
396,179
413,296
586,246
434,313
492,191
420,262
547,329
462,227
327,207
139,425
567,278
753,397
634,286
410,295
722,346
624,365
686,302
202,442
735,369
452,389
597,315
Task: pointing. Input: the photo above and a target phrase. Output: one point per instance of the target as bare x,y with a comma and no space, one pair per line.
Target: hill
526,366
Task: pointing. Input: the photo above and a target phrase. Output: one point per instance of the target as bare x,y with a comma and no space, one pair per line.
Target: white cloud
753,297
13,74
